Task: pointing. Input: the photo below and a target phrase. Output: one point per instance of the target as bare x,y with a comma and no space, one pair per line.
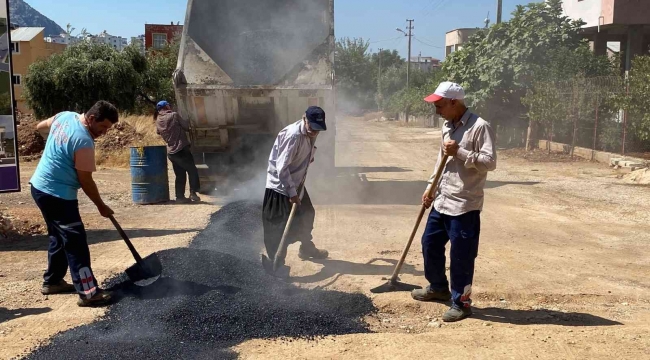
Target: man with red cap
469,143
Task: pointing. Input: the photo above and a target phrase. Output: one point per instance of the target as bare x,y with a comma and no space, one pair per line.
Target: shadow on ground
41,242
335,268
6,314
355,189
540,317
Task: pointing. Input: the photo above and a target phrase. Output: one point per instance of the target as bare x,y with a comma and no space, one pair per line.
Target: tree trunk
530,136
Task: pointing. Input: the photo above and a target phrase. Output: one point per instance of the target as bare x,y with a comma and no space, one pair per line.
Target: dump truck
248,68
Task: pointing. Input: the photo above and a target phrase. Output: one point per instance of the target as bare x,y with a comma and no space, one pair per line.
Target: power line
433,8
424,43
439,5
391,39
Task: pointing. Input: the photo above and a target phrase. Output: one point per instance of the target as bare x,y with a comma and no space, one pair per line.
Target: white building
622,25
63,39
139,41
424,63
117,42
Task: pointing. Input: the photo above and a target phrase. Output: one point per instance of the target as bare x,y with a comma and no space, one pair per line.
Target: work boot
309,250
194,197
427,294
182,200
456,313
62,287
101,298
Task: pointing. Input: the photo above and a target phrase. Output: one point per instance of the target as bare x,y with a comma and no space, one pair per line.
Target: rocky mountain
21,14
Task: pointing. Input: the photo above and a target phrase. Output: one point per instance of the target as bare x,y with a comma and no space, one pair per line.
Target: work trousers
183,164
68,245
275,214
463,232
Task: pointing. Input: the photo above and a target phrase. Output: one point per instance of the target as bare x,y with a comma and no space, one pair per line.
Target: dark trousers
463,231
183,164
275,214
68,245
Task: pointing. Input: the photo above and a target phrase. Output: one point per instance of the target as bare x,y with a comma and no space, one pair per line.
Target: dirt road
28,318
562,270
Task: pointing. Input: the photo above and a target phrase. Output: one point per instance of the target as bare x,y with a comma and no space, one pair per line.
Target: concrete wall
30,51
455,38
629,12
587,10
589,154
623,12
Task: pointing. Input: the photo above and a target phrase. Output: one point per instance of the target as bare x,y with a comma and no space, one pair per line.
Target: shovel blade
147,272
393,286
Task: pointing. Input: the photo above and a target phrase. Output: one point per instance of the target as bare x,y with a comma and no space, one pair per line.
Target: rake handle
432,191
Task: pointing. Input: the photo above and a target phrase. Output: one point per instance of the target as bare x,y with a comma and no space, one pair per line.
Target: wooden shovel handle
430,193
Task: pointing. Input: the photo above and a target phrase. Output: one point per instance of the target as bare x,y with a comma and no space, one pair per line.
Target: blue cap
161,105
316,118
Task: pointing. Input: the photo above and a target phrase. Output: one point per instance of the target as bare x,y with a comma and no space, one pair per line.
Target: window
159,41
17,79
15,48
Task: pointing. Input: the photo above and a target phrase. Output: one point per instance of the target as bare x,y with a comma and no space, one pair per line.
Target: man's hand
426,201
295,200
104,210
450,148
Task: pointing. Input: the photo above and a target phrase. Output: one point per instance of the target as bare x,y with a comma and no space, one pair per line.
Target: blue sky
371,19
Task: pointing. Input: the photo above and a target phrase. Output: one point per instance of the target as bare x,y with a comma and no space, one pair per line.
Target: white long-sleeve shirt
461,186
290,157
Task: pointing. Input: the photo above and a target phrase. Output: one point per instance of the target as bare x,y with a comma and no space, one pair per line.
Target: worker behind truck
469,143
291,155
67,164
172,127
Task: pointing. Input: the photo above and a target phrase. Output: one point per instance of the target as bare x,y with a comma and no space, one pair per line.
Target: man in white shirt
469,142
290,157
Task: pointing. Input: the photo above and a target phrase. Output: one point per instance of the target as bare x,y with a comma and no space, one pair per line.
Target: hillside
22,14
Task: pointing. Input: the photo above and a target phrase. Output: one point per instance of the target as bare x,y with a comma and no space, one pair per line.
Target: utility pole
499,10
408,67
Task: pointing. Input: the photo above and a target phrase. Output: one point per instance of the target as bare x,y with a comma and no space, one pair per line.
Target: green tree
157,81
354,74
75,79
499,65
637,104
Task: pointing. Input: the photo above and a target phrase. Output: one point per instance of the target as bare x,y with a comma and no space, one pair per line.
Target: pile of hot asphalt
212,295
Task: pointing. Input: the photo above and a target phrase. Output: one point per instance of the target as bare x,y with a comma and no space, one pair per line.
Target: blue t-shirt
55,174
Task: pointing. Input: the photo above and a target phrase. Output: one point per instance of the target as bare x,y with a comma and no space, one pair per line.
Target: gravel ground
207,301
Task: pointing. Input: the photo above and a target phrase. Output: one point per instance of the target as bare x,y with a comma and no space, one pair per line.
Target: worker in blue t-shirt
67,164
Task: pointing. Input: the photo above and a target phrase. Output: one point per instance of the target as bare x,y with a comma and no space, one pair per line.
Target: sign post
9,167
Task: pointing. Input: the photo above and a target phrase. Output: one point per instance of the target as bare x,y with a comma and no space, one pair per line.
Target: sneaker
62,287
194,197
182,200
456,313
310,251
101,298
427,294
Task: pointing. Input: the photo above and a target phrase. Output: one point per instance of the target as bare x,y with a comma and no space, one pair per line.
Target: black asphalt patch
211,297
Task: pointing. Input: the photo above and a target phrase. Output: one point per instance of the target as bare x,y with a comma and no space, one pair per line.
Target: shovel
393,284
145,271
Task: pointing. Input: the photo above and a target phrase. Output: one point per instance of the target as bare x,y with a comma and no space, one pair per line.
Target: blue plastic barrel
149,180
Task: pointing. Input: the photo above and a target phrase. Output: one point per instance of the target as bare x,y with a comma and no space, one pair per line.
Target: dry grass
139,131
